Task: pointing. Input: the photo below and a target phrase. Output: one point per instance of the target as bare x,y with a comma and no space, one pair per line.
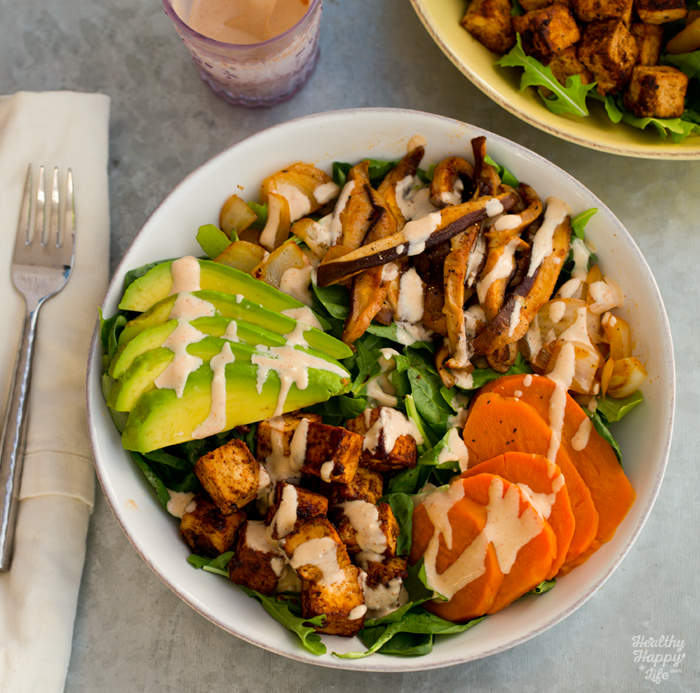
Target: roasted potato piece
649,38
235,216
208,531
278,223
291,504
274,435
330,582
488,21
305,187
610,52
660,11
595,10
367,530
548,31
314,234
273,268
379,426
242,256
656,91
332,453
230,475
258,561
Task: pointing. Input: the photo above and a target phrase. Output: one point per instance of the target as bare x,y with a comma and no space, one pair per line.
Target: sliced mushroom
408,166
357,215
449,222
487,180
524,302
502,359
433,307
450,180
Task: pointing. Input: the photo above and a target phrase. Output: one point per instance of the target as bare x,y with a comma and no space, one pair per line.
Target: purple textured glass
258,74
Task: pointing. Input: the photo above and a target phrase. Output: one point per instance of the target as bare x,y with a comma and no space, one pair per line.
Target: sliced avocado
229,306
160,419
154,336
155,285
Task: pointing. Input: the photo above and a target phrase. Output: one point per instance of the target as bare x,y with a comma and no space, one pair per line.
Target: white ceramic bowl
645,435
476,62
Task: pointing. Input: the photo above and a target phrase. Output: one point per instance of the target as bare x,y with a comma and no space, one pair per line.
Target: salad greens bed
572,98
410,630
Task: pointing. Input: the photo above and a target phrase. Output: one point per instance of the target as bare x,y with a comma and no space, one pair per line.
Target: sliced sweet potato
550,495
531,562
498,424
467,519
596,462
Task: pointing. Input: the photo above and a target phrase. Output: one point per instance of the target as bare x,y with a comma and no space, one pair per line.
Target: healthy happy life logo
658,658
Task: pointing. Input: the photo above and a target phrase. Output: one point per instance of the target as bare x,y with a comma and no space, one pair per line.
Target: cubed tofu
368,531
382,588
207,531
660,11
529,5
276,433
649,38
330,582
488,21
366,485
609,51
656,91
230,475
291,504
332,453
596,10
548,31
566,64
258,562
384,427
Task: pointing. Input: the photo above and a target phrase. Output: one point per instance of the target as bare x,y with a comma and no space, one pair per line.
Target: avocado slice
160,419
154,336
155,285
228,306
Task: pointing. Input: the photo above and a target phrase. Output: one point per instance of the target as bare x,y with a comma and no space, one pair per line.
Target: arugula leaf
219,565
402,506
580,221
688,63
378,168
604,432
614,409
153,479
281,612
504,174
432,457
393,332
400,644
198,561
568,99
213,240
260,213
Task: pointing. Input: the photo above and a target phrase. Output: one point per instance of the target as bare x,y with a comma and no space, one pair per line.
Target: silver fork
41,265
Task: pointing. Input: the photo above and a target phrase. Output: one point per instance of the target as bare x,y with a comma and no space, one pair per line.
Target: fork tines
61,218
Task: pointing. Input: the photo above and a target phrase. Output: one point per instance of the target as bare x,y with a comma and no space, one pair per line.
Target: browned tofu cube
291,504
548,31
610,52
366,485
368,531
649,38
379,427
258,561
230,475
596,10
332,453
207,531
330,582
383,585
276,434
656,91
566,64
488,21
529,5
660,11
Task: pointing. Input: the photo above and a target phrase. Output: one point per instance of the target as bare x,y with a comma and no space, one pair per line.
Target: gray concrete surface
131,632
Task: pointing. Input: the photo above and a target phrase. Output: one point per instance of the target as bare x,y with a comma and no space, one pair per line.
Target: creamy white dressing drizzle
186,275
325,192
493,207
335,226
286,516
604,297
476,257
411,299
357,612
268,235
231,332
557,210
418,231
501,270
562,375
515,315
304,315
299,203
327,470
389,272
383,599
455,450
507,222
180,503
583,433
216,420
364,519
296,282
578,330
408,333
543,502
279,466
322,553
390,425
556,311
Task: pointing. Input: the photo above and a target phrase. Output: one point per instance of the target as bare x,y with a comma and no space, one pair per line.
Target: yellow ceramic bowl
441,19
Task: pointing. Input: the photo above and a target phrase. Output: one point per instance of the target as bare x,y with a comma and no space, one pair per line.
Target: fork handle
14,437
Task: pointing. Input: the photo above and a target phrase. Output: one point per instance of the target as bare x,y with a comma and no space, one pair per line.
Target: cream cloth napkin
38,597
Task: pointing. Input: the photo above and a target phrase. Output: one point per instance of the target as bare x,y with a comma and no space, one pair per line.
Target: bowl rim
565,130
385,664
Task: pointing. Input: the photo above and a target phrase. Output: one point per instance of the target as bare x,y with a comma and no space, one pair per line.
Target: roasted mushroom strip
550,249
355,218
488,182
415,237
448,184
